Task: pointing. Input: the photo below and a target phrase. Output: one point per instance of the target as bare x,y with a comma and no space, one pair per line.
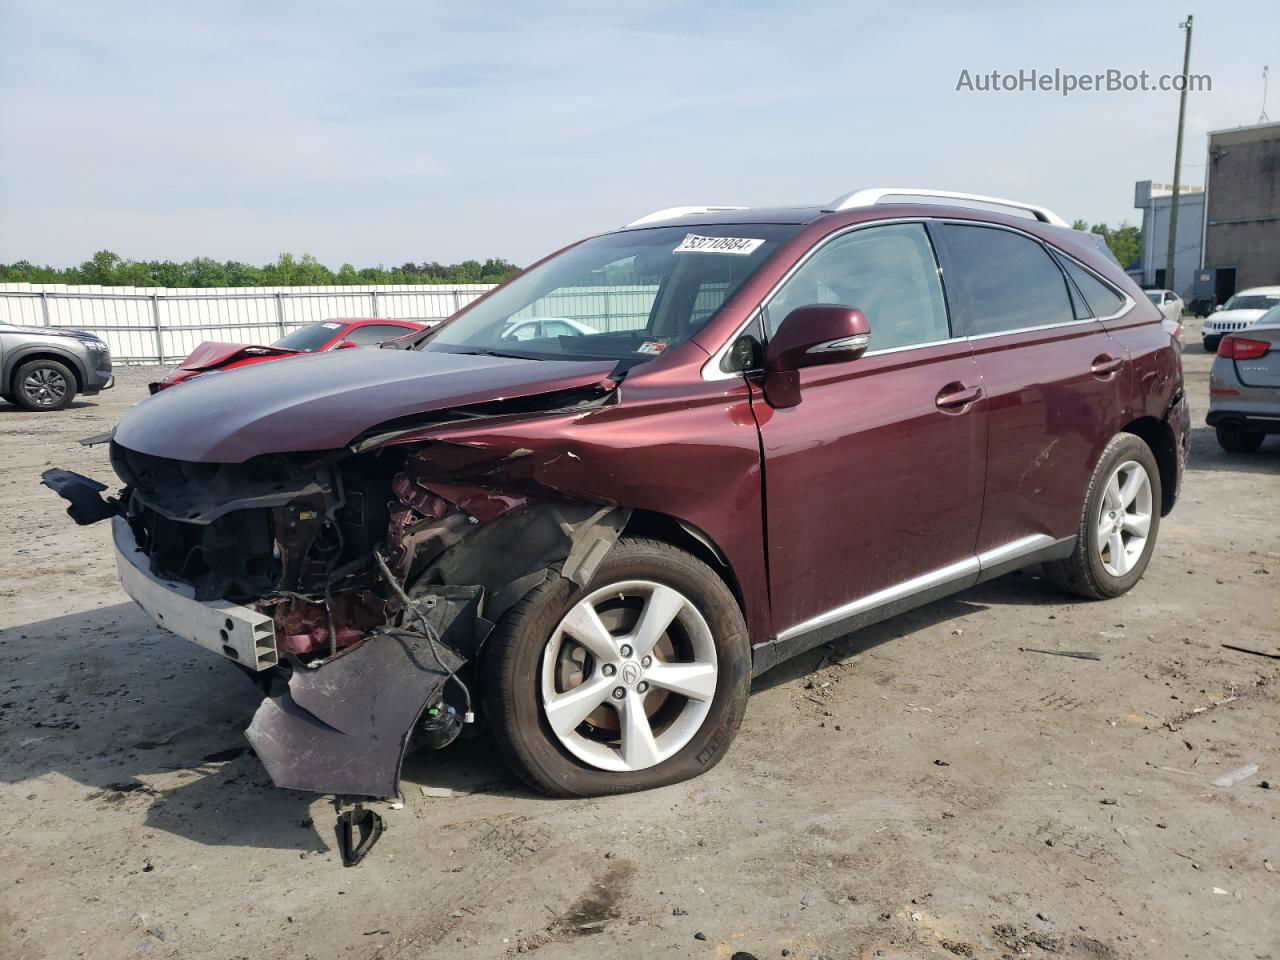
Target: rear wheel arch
1159,436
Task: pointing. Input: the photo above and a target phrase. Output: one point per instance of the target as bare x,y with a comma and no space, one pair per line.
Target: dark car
788,424
341,333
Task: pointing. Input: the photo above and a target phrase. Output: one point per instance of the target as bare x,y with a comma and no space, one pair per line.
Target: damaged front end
356,587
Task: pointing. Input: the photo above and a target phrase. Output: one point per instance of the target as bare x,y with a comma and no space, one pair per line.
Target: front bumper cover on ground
343,727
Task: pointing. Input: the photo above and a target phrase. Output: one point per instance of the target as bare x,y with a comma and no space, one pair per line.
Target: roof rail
874,195
670,213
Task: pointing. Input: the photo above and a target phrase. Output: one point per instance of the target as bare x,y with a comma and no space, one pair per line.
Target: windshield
1243,301
623,296
310,338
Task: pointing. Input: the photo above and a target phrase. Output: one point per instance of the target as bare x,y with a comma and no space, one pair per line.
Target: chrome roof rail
670,213
874,195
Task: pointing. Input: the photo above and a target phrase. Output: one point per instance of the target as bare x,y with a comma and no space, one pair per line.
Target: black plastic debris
83,493
1077,654
358,830
343,727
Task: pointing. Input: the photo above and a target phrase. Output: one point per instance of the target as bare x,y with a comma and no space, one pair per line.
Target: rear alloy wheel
1118,524
638,681
1234,438
1124,518
43,385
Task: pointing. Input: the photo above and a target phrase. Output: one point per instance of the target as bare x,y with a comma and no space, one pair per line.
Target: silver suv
43,369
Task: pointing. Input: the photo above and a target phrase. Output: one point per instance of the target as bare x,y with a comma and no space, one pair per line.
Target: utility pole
1177,161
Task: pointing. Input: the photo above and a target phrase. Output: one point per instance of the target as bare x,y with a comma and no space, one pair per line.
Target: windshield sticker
739,246
652,346
332,326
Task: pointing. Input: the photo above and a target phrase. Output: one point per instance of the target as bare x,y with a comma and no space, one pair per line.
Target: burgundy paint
875,476
869,482
323,401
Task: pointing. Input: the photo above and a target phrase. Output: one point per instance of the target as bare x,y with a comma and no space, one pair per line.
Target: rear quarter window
1102,299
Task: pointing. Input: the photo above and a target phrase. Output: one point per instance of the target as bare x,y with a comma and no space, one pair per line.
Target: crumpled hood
324,401
212,354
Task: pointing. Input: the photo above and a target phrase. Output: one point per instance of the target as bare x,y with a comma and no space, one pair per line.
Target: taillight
1242,348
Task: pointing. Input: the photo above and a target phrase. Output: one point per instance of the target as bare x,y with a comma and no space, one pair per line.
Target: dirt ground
920,789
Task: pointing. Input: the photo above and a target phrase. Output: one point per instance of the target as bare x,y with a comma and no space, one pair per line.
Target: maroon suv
731,435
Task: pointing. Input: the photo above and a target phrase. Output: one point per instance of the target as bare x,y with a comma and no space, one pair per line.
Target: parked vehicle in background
1244,385
318,337
579,528
1170,306
43,369
538,328
1239,313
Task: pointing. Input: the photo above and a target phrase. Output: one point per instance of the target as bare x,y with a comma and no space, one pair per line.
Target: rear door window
1006,280
889,273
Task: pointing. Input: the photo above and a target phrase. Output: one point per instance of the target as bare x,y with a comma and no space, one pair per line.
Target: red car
787,424
337,334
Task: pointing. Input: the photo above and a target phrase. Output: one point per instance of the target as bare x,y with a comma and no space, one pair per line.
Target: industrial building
1242,216
1228,230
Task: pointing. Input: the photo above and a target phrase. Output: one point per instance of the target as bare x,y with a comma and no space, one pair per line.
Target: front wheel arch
688,537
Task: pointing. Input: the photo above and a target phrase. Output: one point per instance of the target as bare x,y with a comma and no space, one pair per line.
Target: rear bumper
1263,420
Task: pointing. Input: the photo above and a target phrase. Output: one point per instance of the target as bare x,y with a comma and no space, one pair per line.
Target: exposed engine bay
369,578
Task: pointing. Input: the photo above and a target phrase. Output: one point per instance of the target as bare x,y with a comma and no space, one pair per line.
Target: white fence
158,325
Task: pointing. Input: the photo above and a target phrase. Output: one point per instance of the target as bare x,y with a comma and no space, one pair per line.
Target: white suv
1238,313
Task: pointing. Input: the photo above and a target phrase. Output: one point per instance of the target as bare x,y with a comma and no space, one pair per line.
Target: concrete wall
158,325
155,325
1155,240
1243,217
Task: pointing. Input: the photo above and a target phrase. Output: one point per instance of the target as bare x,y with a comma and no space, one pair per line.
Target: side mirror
809,337
346,345
1216,308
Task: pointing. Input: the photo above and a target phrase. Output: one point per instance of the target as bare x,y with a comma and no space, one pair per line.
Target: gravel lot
921,789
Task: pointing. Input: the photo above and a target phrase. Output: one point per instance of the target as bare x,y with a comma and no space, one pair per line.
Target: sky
394,130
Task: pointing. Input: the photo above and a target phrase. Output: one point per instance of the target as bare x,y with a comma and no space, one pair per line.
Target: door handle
1104,365
956,397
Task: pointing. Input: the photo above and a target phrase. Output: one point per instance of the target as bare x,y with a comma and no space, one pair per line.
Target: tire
1211,344
43,385
1234,438
531,660
1096,569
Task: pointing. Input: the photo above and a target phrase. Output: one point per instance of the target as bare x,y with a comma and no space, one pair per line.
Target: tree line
1125,240
111,270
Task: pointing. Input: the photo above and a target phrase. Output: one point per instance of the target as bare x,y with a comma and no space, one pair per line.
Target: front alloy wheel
639,680
629,675
44,385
